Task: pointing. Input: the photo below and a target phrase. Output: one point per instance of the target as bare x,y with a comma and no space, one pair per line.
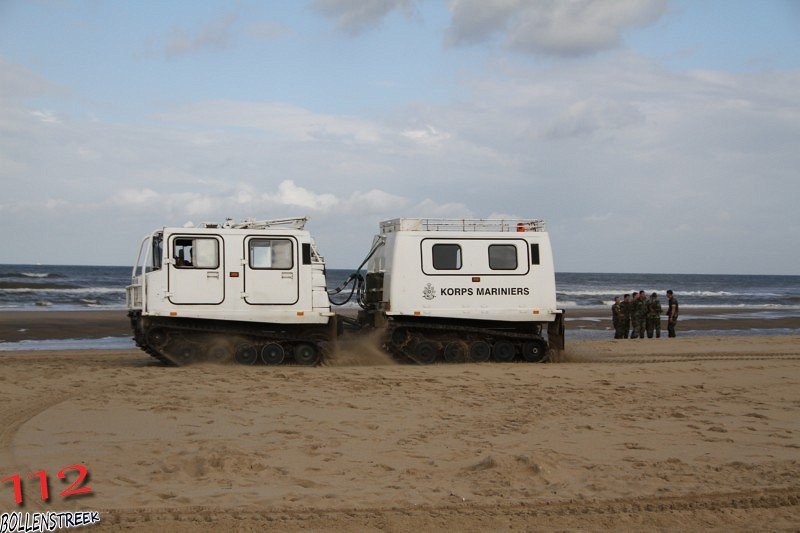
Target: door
196,270
271,270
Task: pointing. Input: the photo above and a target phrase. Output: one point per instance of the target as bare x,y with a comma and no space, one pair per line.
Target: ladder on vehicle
462,224
252,223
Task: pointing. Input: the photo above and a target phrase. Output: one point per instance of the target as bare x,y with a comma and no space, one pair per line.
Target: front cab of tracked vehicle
258,272
448,278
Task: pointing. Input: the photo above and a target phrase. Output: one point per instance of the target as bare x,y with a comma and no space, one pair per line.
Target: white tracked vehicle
440,289
464,290
249,291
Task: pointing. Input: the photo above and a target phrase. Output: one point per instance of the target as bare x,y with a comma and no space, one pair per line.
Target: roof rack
462,224
252,223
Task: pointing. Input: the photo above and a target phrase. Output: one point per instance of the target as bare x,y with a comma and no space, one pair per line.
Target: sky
651,135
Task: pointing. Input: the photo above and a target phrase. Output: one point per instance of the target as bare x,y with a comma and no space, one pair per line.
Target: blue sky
652,135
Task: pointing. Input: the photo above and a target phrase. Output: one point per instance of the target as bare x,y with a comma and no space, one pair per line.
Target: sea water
70,288
55,287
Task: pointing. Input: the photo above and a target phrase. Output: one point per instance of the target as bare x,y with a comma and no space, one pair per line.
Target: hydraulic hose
357,280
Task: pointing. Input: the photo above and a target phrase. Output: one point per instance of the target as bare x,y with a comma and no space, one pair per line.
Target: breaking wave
35,275
36,286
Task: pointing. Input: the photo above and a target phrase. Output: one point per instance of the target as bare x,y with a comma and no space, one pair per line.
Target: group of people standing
635,314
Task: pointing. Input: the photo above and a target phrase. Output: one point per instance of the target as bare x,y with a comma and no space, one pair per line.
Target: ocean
59,287
761,296
70,288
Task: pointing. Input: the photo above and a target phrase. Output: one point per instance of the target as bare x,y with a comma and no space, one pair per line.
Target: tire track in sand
11,420
154,518
678,358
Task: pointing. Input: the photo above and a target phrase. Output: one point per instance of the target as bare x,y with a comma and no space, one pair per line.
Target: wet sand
688,433
37,325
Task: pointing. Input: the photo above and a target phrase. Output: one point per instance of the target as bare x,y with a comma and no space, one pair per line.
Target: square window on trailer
502,257
446,257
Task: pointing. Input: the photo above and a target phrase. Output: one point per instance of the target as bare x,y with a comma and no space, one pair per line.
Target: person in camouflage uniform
654,316
672,313
617,317
634,316
641,315
625,324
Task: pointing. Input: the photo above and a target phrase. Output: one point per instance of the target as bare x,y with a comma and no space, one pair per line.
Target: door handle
287,275
212,275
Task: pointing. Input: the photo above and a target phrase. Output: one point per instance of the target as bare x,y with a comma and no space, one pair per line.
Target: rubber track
226,329
153,353
467,330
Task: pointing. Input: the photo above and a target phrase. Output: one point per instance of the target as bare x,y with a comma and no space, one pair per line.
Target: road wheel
480,352
455,352
272,354
503,351
306,354
425,353
246,354
533,351
181,351
219,352
399,336
157,338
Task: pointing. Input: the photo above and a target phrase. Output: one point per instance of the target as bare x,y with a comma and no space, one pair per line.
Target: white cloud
48,117
18,82
374,201
547,27
357,16
591,115
291,195
219,33
428,134
666,152
431,209
288,195
551,27
198,204
504,216
281,120
267,30
127,197
595,218
54,203
216,34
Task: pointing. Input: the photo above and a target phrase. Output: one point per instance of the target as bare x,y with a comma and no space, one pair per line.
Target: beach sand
688,433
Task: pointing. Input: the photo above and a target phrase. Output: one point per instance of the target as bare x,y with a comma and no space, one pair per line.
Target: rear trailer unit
464,290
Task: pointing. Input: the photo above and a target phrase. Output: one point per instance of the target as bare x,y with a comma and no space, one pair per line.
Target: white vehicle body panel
270,275
194,286
517,284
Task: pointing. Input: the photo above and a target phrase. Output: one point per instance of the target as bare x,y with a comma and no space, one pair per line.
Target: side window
502,257
277,254
446,257
158,251
535,253
197,252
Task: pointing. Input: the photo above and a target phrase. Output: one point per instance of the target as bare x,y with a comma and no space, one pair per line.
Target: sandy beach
687,433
